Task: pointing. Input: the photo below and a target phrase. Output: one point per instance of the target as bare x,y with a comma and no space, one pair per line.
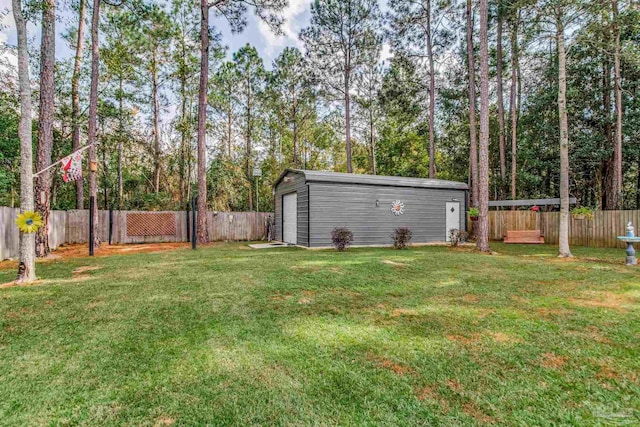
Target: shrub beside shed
310,204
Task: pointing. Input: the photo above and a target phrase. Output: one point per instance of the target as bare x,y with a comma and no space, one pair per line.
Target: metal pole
257,195
110,223
194,236
188,225
92,202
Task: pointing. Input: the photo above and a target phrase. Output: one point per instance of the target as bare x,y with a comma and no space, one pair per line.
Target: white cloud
386,52
294,16
7,24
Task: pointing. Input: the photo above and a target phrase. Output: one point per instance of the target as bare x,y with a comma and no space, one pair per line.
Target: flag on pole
72,167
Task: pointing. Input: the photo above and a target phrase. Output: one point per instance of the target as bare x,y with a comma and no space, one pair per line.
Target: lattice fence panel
151,224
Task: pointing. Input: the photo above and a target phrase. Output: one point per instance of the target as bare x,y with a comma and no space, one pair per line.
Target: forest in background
408,115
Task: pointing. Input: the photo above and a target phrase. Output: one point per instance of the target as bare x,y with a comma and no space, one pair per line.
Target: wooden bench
524,236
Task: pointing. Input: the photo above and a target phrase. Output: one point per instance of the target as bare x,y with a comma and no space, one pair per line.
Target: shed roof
392,181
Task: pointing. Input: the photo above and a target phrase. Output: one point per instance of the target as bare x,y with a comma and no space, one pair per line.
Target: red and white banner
72,167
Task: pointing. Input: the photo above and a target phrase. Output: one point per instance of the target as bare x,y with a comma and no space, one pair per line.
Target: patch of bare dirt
304,301
549,312
8,264
426,393
607,371
82,250
602,299
396,368
397,312
477,414
518,298
94,304
431,393
281,297
11,284
455,386
8,284
393,263
164,421
501,337
86,268
484,312
465,340
553,361
471,298
596,334
591,333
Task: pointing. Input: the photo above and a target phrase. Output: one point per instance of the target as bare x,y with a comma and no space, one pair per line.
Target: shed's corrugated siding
297,184
354,207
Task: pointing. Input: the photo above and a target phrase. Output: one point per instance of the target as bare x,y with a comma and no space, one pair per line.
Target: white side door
453,217
290,218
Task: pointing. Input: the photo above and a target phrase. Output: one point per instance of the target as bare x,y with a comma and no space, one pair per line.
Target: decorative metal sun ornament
29,222
397,207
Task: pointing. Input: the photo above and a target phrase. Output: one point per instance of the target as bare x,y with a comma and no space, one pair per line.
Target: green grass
231,336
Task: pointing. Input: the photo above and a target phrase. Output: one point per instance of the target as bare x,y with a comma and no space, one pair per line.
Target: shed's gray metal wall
299,185
354,206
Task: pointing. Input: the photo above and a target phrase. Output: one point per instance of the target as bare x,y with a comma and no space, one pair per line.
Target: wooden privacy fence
133,227
601,231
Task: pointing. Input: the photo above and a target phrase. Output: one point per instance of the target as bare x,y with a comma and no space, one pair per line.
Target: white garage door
290,218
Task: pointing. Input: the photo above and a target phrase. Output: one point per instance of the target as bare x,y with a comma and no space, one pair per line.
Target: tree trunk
27,266
45,123
295,130
93,116
616,188
606,164
372,139
500,89
203,235
120,146
183,132
75,97
295,145
105,182
189,154
347,115
564,250
229,130
247,154
156,123
483,173
514,108
473,146
432,96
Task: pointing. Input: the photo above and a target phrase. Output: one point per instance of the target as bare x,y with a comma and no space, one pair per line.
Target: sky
297,16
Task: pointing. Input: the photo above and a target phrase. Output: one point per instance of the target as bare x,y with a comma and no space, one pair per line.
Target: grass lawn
231,336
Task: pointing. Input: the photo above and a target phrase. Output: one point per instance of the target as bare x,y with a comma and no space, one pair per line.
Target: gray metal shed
310,204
